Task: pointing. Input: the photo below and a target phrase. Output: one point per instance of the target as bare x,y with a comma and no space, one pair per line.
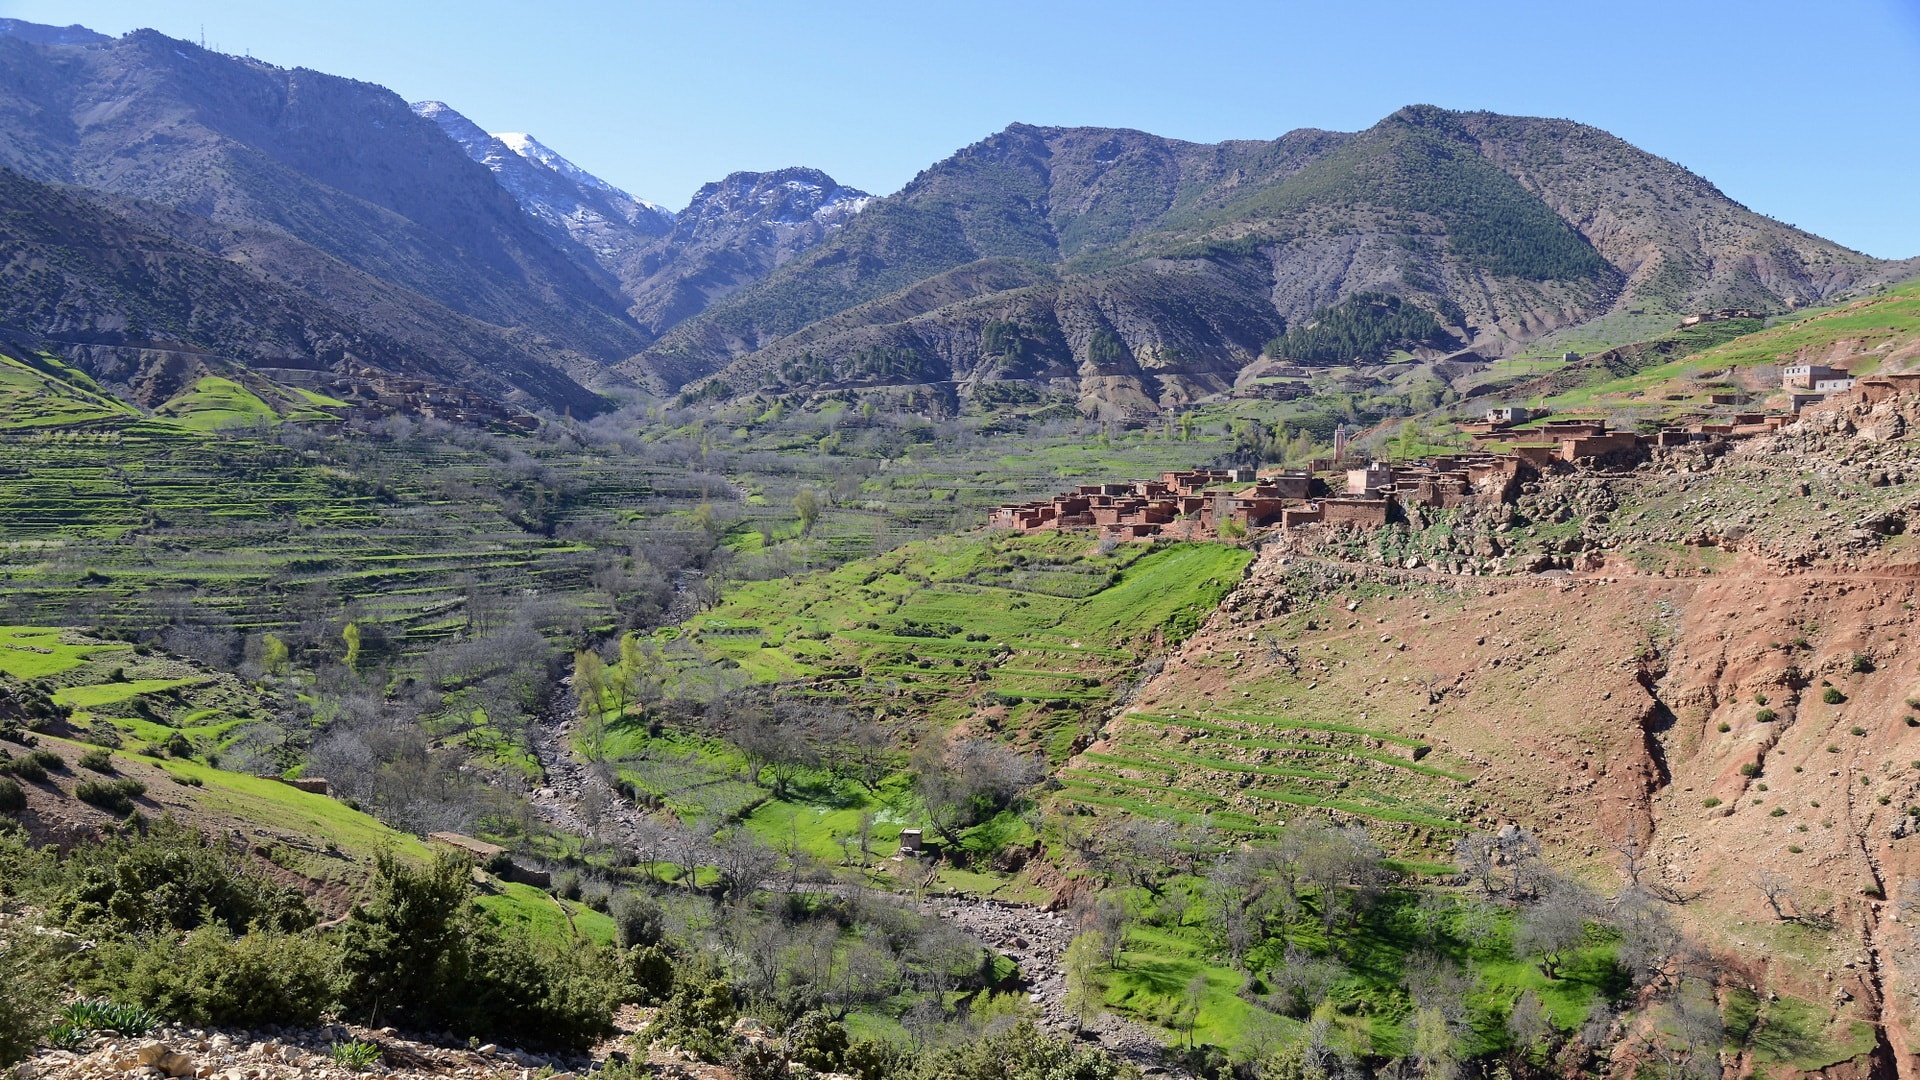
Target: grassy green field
214,402
1039,628
1869,329
46,393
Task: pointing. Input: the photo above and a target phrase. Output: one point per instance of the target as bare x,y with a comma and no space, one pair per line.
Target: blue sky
1808,112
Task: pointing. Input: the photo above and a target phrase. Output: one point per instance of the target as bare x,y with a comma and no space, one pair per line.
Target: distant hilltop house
1810,376
1509,415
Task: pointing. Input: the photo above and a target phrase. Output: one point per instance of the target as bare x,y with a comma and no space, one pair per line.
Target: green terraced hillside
1025,629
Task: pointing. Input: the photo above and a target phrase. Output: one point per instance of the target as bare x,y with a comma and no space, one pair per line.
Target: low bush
98,759
355,1056
1766,716
698,1018
1832,695
171,880
637,919
12,798
113,796
211,978
421,953
100,1014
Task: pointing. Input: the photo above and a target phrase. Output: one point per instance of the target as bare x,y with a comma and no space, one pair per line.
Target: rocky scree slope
1166,265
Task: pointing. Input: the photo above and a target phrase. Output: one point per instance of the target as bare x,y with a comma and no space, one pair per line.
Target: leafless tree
969,780
1775,887
1554,925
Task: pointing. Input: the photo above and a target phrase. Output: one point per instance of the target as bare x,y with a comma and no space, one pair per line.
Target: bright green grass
543,915
33,652
1375,948
98,694
817,817
1794,1032
1012,618
215,402
48,394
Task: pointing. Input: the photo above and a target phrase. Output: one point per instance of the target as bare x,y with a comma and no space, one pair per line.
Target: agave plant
67,1036
89,1015
356,1055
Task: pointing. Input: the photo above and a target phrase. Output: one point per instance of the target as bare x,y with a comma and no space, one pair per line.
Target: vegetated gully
585,801
1034,938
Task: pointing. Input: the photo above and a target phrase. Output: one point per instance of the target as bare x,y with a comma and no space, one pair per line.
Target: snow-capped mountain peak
545,156
575,205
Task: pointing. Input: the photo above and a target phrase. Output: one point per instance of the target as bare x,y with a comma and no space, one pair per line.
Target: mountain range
165,198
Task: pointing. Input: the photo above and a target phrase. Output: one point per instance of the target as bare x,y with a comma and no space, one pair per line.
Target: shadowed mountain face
135,292
334,187
1145,271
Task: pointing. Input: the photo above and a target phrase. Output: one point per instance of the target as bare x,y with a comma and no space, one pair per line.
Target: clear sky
1806,111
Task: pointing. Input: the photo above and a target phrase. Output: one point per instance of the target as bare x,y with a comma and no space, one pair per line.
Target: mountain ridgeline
1118,270
1194,257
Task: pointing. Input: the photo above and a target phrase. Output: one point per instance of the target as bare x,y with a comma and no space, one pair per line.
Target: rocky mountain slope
1155,269
143,307
344,179
600,224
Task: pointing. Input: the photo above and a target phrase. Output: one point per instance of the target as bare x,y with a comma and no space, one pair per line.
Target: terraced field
1028,632
1247,772
151,524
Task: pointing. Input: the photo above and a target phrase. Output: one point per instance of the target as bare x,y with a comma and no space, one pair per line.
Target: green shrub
30,983
1710,802
170,880
871,1059
178,746
113,796
637,919
1766,716
1020,1051
211,978
12,798
818,1041
1856,730
1862,664
649,971
421,953
757,1061
1750,769
698,1018
1725,727
1832,695
97,759
1778,811
100,1014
